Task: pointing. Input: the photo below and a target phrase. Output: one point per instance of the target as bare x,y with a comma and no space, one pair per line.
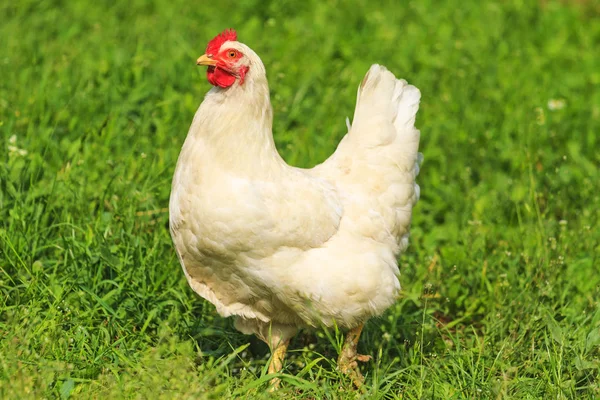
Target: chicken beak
206,60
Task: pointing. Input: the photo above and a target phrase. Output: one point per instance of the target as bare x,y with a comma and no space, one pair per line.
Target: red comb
215,44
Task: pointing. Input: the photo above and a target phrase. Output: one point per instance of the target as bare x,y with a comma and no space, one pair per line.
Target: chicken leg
347,361
276,335
276,364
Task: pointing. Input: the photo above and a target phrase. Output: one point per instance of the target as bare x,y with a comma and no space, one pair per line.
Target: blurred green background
502,278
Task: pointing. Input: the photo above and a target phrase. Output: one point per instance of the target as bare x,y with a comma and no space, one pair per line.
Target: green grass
502,279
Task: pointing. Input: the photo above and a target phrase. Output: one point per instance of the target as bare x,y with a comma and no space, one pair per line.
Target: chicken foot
276,364
348,359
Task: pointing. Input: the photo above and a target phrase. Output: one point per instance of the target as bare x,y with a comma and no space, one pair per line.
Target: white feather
273,244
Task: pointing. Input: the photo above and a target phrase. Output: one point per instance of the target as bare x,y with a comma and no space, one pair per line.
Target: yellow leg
276,363
347,361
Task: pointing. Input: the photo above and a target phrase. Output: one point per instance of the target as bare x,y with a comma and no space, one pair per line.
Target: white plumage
280,247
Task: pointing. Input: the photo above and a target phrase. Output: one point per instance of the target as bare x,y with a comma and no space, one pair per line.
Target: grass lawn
501,282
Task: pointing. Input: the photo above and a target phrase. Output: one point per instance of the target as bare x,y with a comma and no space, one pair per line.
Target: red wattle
219,77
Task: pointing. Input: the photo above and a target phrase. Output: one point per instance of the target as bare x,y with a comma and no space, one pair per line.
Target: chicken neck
234,126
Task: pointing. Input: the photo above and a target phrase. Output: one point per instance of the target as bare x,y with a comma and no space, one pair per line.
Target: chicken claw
348,359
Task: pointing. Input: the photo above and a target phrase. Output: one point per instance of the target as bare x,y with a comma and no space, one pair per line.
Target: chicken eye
231,54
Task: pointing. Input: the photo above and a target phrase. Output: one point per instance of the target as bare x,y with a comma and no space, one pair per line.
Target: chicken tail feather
382,99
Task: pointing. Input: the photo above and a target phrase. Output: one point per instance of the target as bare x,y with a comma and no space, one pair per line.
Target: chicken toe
348,358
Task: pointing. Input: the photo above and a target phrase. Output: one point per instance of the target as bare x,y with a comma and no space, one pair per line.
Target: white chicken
280,247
